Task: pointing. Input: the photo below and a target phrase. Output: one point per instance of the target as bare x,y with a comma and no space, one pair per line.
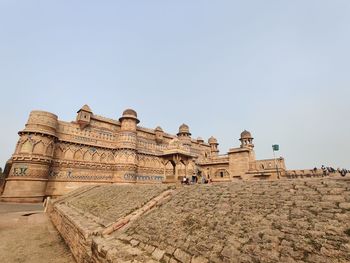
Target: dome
246,135
158,128
212,140
130,114
184,129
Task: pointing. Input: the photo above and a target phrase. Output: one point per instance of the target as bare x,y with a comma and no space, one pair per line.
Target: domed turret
212,140
184,134
126,142
246,139
129,114
184,130
127,136
213,146
246,135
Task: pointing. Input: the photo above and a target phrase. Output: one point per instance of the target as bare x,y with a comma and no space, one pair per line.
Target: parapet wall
82,216
76,233
42,121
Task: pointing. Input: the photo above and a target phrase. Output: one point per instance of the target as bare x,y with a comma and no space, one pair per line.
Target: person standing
203,179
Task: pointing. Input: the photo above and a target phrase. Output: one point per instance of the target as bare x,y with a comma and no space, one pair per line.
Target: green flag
275,147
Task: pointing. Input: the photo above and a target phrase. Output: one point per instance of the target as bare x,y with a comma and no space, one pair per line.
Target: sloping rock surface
301,220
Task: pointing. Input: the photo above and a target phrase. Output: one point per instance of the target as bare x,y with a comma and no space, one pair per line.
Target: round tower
184,134
213,142
32,159
127,146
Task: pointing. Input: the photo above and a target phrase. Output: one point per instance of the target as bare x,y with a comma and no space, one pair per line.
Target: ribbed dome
158,128
246,135
212,140
130,112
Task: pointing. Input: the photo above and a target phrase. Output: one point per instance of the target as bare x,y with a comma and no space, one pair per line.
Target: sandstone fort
117,197
53,157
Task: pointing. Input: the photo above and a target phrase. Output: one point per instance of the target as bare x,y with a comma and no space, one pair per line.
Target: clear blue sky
280,69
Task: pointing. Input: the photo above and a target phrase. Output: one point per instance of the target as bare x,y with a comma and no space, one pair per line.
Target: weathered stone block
158,254
182,256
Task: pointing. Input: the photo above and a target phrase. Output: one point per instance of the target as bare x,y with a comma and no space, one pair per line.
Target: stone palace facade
53,157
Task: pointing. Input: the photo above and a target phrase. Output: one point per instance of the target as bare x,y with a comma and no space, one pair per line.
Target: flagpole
274,157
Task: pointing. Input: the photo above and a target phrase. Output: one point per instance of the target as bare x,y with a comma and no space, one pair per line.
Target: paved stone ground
27,235
301,220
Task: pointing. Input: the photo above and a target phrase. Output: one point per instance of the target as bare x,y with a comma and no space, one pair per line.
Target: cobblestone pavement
109,203
281,221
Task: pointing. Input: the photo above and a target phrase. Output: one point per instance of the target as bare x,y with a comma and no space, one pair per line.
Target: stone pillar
32,159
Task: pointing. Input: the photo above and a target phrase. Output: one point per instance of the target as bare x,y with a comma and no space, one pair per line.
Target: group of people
331,170
194,179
